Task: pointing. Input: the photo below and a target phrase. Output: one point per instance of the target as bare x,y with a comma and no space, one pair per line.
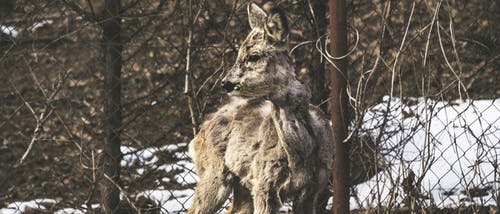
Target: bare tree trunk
338,105
112,107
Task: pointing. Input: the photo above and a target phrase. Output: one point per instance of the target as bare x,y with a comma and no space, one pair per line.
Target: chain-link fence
436,154
423,89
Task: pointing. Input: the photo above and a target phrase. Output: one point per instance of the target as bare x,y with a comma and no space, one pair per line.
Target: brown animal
267,145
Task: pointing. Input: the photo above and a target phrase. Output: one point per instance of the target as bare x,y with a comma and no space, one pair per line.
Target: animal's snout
229,86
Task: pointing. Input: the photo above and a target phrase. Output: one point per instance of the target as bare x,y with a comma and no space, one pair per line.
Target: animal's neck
294,96
290,93
290,116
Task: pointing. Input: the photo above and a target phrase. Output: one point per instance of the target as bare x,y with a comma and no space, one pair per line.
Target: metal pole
338,105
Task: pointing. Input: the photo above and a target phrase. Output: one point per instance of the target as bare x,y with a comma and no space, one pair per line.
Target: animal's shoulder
254,109
230,119
227,110
239,109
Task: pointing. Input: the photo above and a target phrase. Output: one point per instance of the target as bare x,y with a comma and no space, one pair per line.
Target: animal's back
244,137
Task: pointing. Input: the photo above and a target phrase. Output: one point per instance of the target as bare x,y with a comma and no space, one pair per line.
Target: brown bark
338,105
112,108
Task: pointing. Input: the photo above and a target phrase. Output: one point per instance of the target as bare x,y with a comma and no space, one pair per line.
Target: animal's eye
253,58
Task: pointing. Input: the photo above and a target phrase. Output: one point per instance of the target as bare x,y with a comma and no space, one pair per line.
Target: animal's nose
228,86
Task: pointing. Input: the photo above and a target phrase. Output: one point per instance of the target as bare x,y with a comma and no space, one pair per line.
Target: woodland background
56,90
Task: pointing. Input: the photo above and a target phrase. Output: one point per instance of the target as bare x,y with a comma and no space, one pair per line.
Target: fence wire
423,89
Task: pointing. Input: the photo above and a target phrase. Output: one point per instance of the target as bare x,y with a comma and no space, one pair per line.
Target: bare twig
124,194
400,49
187,88
430,32
460,83
44,115
88,202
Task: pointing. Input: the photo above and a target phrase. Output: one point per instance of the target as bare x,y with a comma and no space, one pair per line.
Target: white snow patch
453,149
182,199
94,206
287,207
20,207
187,176
173,147
69,210
157,196
143,157
9,30
40,24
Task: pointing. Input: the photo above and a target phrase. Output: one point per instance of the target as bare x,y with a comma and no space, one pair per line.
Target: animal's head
262,67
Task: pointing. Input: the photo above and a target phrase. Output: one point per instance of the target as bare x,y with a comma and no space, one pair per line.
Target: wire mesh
422,85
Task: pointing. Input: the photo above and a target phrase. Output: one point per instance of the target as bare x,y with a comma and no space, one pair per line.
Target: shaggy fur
267,145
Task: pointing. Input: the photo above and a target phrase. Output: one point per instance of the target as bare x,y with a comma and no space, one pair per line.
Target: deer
268,145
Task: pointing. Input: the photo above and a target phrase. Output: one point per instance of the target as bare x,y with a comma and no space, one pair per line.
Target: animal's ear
256,16
276,27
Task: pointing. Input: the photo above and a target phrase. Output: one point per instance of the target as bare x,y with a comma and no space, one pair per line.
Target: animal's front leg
213,187
306,202
266,202
268,184
211,192
242,201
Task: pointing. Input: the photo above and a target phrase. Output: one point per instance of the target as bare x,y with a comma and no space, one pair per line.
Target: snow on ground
9,30
458,149
21,207
14,31
69,210
171,201
143,157
40,24
454,155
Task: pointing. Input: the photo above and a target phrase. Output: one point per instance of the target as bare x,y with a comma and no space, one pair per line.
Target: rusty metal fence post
338,105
